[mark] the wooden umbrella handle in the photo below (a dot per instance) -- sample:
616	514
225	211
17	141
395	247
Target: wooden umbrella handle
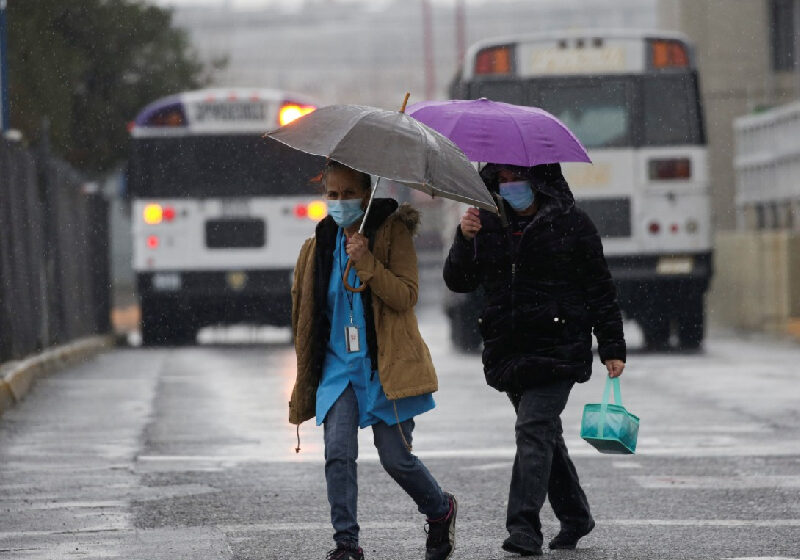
405	101
347	285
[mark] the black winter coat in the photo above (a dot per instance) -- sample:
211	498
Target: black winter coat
543	302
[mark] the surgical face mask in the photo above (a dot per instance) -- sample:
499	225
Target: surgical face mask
345	212
519	194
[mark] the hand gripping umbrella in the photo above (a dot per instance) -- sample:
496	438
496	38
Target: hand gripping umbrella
391	145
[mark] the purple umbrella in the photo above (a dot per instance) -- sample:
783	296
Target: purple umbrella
497	132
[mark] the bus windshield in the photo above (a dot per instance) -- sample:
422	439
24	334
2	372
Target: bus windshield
612	111
206	166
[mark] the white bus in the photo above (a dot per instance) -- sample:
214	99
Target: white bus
219	212
633	99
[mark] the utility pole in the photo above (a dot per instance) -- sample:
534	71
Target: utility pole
427	48
461	32
4	117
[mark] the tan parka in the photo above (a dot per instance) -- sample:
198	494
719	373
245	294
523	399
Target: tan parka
405	367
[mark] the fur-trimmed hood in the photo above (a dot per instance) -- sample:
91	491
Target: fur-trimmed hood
410	216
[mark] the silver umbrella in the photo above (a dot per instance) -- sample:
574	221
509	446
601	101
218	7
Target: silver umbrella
388	144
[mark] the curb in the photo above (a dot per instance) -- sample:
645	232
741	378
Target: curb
17	377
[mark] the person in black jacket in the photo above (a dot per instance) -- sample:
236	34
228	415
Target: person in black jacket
547	287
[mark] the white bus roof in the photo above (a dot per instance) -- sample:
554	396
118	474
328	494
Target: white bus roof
619	51
216	110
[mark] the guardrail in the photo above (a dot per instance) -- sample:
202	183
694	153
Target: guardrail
54	264
767	164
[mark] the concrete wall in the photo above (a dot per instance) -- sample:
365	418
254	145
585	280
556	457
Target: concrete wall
757	281
732	43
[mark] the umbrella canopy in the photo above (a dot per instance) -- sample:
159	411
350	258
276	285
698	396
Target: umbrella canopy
498	132
388	144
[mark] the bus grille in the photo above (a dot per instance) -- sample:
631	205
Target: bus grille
235	233
612	216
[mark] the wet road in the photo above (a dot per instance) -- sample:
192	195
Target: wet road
186	453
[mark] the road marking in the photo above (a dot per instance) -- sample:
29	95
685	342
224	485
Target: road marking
719	482
626	465
721	523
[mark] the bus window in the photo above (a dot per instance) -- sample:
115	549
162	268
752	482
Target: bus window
670	111
219	166
501	90
598	112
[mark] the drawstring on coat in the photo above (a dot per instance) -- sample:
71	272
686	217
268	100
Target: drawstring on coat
400	428
297	449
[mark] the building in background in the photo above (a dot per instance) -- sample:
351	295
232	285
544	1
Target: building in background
746	53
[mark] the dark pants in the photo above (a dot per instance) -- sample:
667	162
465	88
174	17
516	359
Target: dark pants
341	452
542	467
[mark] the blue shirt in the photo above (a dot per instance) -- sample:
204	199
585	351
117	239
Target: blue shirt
343	368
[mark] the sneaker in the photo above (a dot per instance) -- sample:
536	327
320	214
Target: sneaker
442	533
515	547
567	539
345	552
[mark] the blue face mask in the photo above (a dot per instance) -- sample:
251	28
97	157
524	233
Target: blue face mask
519	194
345	212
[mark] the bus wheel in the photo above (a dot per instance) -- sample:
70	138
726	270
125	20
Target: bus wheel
691	325
656	332
464	332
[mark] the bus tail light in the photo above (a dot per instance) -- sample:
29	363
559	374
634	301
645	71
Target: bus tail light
493	60
691	226
152	241
315	210
654	228
670	169
301	211
153	214
669	54
290	112
674	228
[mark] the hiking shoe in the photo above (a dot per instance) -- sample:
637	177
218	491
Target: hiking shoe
515	547
442	533
567	539
345	551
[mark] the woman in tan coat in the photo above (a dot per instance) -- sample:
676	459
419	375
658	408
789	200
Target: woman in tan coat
360	358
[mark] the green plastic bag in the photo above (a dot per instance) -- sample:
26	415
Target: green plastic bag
609	427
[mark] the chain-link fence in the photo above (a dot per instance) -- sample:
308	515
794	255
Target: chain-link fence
54	266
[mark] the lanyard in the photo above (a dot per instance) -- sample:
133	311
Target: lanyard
342	257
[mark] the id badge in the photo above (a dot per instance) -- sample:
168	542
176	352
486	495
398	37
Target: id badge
351	339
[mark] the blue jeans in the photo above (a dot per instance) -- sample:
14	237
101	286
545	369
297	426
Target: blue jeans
341	452
542	468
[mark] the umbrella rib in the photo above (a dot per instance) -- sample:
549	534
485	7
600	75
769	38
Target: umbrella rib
519	131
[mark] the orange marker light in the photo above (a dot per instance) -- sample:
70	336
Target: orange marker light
153	214
494	60
669	54
317	210
291	112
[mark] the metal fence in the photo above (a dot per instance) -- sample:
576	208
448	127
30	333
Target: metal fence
54	265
